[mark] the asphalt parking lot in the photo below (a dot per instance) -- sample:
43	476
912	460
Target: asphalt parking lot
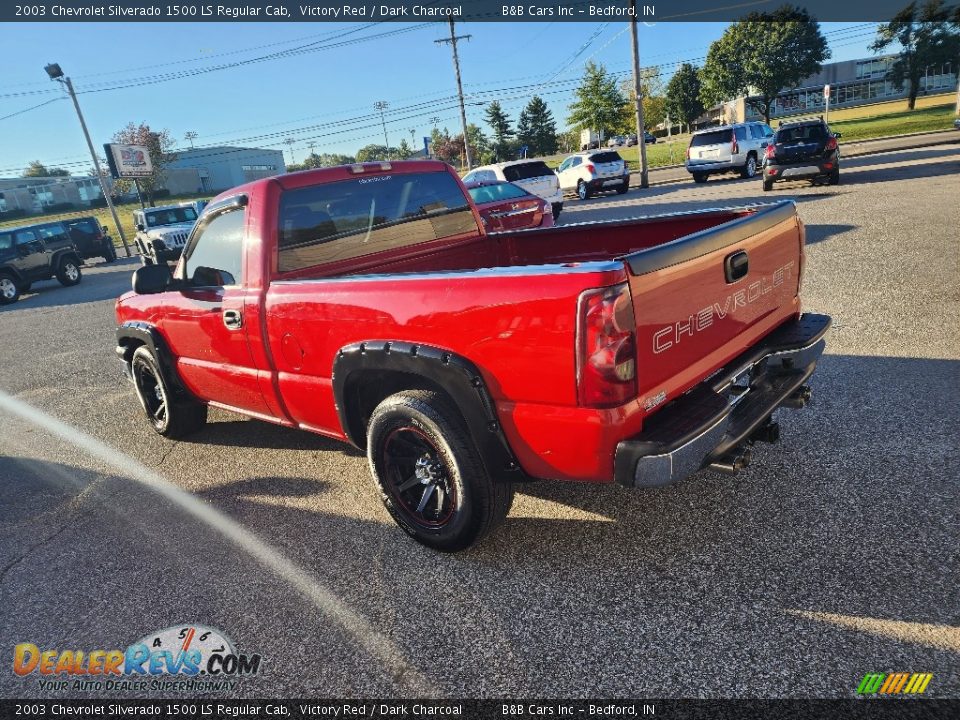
834	554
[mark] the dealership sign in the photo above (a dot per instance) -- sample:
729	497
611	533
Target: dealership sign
128	161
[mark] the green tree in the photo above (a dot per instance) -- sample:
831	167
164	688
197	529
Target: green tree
313	160
501	132
375	152
160	145
761	55
37	169
537	129
403	150
683	104
926	37
598	103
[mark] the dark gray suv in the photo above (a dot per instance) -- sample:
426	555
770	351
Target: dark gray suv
36	252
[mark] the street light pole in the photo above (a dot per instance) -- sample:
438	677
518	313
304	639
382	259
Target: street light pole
382	105
55	73
641	131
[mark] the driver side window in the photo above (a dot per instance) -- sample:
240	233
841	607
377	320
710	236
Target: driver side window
216	254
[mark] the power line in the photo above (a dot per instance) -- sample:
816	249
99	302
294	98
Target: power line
34	107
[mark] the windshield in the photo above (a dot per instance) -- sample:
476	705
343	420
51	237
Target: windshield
170	216
500	191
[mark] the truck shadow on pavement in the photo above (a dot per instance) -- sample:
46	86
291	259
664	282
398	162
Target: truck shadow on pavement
250	433
833	549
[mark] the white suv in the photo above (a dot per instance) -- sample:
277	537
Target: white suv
729	148
532	175
590	172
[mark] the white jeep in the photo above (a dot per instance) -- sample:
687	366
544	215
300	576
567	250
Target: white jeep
162	231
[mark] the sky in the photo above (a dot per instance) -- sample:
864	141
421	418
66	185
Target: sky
312	82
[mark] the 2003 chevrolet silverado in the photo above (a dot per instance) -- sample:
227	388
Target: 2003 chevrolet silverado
366	303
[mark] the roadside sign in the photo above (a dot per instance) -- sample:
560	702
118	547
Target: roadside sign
426	147
826	92
128	161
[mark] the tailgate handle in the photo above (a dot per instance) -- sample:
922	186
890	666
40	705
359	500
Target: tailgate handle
736	266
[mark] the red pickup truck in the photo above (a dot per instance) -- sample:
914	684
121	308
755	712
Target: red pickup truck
367	304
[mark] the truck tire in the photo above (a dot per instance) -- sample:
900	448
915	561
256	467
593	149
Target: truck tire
834	178
168	416
430	477
110	255
699	177
9	290
68	272
623	188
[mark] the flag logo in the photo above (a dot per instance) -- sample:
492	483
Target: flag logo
902	683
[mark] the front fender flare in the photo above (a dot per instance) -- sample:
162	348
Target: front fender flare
132	334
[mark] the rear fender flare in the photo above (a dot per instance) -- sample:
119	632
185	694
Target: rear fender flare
429	367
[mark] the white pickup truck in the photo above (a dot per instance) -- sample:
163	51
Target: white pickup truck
162	231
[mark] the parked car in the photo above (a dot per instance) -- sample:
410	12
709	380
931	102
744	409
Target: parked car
36	252
505	206
631	140
730	148
367	303
532	175
956	124
592	172
616	141
162	231
649	138
802	150
91	239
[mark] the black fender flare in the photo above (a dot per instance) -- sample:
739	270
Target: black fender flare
447	371
132	334
12	271
59	256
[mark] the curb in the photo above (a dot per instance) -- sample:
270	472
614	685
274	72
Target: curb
855	153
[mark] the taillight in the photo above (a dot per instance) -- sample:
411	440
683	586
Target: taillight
606	347
771	152
831	144
590	169
734	148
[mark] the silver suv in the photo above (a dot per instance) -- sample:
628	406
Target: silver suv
728	148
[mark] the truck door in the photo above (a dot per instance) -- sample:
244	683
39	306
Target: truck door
204	322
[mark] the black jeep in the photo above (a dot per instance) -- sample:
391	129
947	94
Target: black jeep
36	252
90	239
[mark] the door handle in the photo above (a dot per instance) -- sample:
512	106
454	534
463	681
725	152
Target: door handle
232	319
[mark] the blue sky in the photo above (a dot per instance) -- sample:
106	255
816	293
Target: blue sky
321	94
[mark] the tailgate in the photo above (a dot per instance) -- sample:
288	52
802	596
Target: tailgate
701	300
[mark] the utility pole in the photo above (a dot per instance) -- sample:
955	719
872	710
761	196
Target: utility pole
55	73
290	142
382	105
190	136
456	68
641	130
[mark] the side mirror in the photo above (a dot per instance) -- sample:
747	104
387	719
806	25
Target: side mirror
152	279
140	227
837	135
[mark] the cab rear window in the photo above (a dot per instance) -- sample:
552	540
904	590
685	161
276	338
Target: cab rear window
526	171
717	137
342	220
606	157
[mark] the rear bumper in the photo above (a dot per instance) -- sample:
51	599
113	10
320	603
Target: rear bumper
713	167
722	413
608	183
800	170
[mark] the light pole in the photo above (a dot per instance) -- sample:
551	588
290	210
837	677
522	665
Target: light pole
382	105
641	130
290	142
190	136
55	73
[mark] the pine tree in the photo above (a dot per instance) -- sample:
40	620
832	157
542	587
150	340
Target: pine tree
502	133
537	129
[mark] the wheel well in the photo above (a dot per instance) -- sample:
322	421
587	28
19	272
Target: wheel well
130	346
365	389
12	273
